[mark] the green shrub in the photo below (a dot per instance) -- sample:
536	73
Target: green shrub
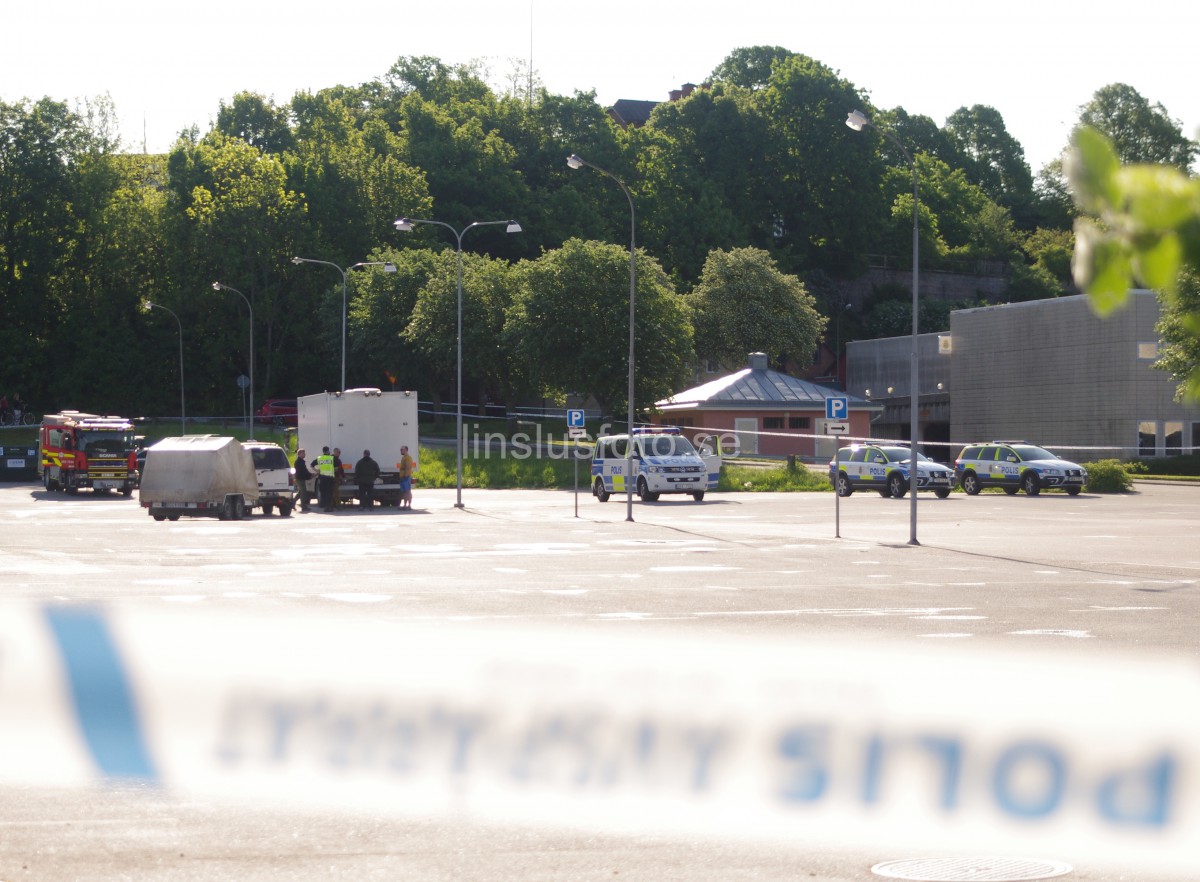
1109	476
1188	464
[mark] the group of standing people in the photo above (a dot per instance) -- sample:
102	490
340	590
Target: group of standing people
327	470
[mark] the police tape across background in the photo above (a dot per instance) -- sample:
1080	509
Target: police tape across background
819	743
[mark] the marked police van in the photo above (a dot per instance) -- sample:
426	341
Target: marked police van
664	461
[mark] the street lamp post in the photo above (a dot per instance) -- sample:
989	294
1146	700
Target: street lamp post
220	286
388	267
576	161
858	121
182	408
405	225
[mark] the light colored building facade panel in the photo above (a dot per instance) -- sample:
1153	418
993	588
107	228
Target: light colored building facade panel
1049	371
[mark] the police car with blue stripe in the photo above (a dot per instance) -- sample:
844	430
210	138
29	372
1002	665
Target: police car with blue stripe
1016	465
663	461
886	468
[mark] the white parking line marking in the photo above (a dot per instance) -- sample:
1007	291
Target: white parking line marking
692	569
955	635
357	598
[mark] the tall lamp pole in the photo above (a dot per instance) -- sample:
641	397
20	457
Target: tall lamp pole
576	161
388	267
182	407
857	120
405	225
220	286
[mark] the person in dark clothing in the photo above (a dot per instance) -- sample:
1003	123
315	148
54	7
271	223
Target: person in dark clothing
304	478
338	474
366	473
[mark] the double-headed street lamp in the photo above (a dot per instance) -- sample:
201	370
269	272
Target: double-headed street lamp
577	161
405	225
388	267
182	408
220	286
858	121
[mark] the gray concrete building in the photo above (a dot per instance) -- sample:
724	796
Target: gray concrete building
1047	371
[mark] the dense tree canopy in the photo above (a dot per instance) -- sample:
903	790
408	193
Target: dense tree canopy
744	304
569	325
748	192
1139	131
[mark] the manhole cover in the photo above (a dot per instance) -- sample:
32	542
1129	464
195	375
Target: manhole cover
987	869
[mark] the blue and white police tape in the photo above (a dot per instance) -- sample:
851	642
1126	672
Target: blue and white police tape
813	743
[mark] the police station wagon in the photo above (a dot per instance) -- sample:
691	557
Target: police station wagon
664	461
885	468
1016	465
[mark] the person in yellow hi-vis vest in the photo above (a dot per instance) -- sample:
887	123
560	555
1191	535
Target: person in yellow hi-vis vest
325	479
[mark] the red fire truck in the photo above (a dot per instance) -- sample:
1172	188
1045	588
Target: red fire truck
86	450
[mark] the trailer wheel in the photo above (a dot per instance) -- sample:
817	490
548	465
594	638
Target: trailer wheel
268	508
239	508
159	517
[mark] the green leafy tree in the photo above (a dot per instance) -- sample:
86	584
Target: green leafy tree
256	120
700	161
1140	132
743	304
350	169
819	214
1050	250
237	220
750	67
919	134
569	324
1179	326
120	262
43	147
558	201
488	287
992	159
1143	228
890	315
381	308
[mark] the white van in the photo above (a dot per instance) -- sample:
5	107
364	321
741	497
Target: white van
664	461
276	477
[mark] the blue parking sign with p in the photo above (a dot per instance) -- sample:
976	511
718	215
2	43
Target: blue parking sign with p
575	419
836	408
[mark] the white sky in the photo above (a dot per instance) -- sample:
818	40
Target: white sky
167	64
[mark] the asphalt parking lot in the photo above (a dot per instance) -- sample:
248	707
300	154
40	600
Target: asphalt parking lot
1089	580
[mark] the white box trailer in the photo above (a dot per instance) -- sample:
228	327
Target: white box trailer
356	420
199	475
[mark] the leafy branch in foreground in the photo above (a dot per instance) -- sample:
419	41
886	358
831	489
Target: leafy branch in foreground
1143	228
